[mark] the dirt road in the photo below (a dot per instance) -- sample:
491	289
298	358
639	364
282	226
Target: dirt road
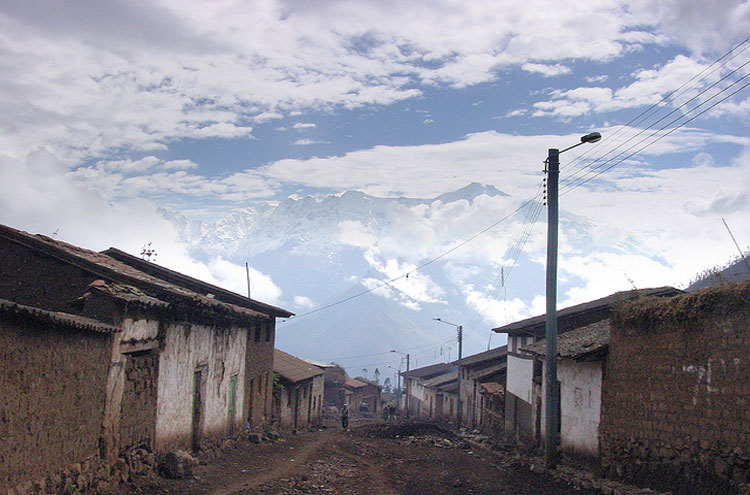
379	459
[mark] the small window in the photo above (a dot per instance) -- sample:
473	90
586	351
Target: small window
269	329
257	332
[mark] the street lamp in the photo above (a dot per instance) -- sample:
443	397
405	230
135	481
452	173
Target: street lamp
459	328
398	382
407	380
552	391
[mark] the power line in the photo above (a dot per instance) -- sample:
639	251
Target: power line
416	269
572	178
670	96
575	180
599	170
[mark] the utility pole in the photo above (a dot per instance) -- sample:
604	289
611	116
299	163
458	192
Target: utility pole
406	379
408	387
550	387
460	412
459	328
247	271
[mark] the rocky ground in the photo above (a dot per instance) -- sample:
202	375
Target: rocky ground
383	459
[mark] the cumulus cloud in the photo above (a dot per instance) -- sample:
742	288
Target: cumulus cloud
546	70
37	195
304	301
215	69
672	84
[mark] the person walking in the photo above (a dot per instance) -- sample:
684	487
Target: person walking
345	416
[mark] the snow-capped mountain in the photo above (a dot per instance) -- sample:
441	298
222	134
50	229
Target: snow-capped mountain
320	251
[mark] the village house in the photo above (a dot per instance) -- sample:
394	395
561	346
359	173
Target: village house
259	355
523	394
441	396
582	360
185	367
363	396
414	386
493	408
298	393
676	396
484	367
55	368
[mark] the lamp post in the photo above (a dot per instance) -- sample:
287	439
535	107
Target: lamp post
459	328
398	381
552	391
407	381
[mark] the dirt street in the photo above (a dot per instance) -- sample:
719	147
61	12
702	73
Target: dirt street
369	459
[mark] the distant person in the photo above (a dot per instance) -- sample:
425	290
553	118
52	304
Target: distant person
345	416
391	412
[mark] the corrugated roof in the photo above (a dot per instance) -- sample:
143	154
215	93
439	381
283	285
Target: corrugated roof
579	343
450	375
75	321
110	268
539	321
491	355
427	371
489	371
293	369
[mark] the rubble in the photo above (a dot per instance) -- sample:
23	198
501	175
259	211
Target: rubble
177	465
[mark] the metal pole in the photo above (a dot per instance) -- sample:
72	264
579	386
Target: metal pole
552	404
459	413
407	386
247	271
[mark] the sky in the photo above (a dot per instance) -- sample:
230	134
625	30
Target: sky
112	110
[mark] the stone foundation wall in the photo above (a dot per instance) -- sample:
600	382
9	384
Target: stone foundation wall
676	399
138	414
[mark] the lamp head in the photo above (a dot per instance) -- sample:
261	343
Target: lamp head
437	319
592	137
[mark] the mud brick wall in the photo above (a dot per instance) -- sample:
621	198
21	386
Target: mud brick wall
676	398
259	372
138	416
53	388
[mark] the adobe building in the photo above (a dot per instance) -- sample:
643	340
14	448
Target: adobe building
187	365
298	396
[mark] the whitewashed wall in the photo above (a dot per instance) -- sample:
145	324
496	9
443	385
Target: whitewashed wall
519	378
187	347
580	405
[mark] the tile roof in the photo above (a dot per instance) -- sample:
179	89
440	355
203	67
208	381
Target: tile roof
292	368
126	293
492	388
74	321
539	321
109	268
353	383
194	284
368	382
581	343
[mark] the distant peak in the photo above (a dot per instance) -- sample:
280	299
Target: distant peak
470	192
